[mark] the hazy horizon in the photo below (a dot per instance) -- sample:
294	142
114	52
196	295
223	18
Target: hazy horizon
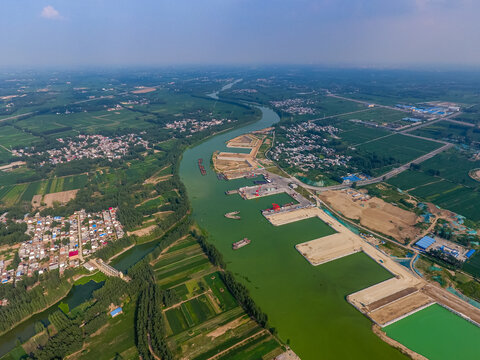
342	33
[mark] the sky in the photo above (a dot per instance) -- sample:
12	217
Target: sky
359	33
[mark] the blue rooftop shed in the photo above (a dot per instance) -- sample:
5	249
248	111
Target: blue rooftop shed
116	312
469	254
425	242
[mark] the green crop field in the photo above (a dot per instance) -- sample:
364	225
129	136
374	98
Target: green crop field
13	195
411	179
117	337
11	137
219	289
451	188
377	115
472	266
199	309
176	320
252	350
206	305
24	192
445	130
432	191
358	134
31	190
5	155
400	147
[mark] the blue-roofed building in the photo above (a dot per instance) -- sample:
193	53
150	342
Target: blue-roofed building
469	254
425	242
116	312
351	178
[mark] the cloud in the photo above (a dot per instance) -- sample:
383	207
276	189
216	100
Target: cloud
49	12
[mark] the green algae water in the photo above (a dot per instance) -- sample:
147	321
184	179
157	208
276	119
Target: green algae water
306	304
437	334
25	330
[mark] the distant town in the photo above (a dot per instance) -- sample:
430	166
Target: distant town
86	147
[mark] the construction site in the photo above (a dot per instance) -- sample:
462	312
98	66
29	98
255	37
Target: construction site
374	213
385	303
238	165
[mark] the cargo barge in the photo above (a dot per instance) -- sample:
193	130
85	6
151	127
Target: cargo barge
237	245
201	167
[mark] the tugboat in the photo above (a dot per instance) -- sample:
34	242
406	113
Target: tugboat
237	245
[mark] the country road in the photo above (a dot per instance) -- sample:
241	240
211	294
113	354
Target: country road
406	132
17	116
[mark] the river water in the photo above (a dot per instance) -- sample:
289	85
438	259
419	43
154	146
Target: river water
25	330
305	304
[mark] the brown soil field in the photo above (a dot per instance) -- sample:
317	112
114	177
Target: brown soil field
62	197
400	307
228	326
36	200
144	90
398	295
374	214
142	232
243	141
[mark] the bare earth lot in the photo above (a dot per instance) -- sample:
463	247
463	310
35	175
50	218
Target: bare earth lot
374	214
144	90
62	197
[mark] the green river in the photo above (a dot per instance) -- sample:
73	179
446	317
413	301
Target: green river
25	330
305	304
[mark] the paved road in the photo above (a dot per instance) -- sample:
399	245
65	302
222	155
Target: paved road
368	103
18	116
337	115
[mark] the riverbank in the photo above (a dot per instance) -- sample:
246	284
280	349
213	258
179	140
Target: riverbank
271	266
38	311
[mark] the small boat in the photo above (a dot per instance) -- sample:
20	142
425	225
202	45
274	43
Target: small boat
237	245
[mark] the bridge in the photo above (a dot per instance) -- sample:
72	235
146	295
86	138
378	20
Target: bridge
107	269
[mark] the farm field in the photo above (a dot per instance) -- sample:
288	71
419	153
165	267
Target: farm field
117	337
13	194
411	179
359	134
5	156
59	125
444	130
401	147
472	266
377	115
207	319
444	180
11	137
